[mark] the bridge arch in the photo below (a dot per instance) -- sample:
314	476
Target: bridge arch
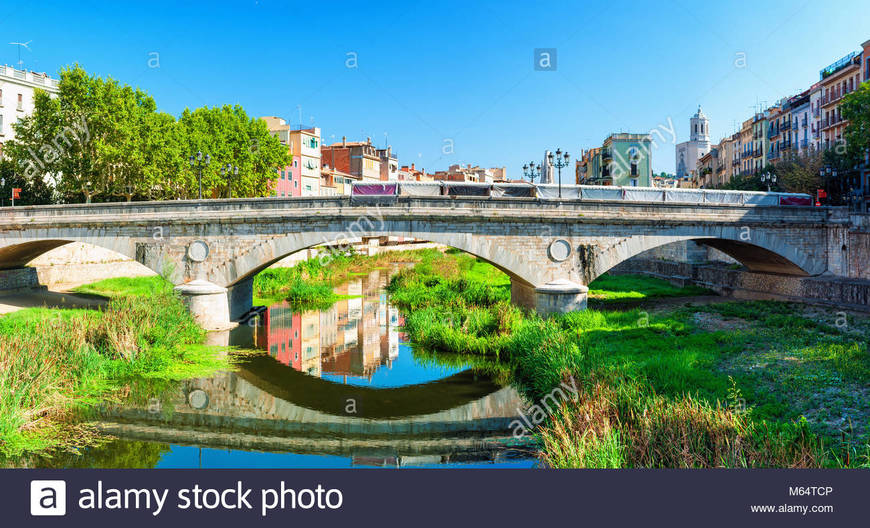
244	267
757	250
18	253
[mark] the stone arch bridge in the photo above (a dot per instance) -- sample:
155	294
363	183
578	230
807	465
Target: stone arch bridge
551	250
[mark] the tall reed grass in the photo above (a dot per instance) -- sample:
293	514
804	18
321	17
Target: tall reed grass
55	362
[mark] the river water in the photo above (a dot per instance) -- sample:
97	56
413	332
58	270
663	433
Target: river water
339	387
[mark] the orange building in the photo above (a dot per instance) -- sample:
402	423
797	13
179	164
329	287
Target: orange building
838	79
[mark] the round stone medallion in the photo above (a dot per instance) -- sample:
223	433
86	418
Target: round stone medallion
197	251
198	399
559	250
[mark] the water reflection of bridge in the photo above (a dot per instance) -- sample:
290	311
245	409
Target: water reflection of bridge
268	406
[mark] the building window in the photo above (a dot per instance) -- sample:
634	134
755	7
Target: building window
20	102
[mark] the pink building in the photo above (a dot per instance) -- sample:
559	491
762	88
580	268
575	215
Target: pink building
289	182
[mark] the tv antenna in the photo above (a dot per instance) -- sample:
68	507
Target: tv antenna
21	45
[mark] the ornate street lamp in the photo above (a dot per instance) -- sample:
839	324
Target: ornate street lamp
768	178
530	172
229	171
198	162
559	160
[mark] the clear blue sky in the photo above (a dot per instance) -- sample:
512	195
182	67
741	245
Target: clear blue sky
462	71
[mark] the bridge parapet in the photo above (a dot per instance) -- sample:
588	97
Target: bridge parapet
551	249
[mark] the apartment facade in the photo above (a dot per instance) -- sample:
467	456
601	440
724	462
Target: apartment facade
412	173
730	156
17	90
627	160
302	176
358	158
816	116
801	117
389	164
837	80
588	167
746	143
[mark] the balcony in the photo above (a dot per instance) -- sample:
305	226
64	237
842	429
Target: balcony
786	125
804	122
772	132
735	162
606	153
803	144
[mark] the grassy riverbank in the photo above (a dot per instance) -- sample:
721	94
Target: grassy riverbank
755	384
54	363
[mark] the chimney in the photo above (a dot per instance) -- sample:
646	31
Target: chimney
368	141
412	166
343	141
389	149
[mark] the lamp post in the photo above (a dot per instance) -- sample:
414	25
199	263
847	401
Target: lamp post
198	161
768	178
559	160
229	171
530	172
826	173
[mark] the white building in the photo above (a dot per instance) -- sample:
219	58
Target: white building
801	117
816	116
16	97
689	152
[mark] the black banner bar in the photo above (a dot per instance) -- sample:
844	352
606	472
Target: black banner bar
131	498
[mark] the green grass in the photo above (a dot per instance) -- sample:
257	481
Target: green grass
621	287
141	286
752	384
55	364
310	283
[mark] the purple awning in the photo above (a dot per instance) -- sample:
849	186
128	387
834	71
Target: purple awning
795	199
375	189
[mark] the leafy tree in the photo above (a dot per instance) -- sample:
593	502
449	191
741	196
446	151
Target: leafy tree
34	191
80	138
229	136
856	108
101	140
800	173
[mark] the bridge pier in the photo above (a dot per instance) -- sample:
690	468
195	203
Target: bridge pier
208	303
240	297
559	296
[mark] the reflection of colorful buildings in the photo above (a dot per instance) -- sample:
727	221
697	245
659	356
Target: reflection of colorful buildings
281	328
352	338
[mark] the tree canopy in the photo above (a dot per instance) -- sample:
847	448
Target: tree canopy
856	108
102	140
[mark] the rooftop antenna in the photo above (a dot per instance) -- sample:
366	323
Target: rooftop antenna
301	123
21	45
386	140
